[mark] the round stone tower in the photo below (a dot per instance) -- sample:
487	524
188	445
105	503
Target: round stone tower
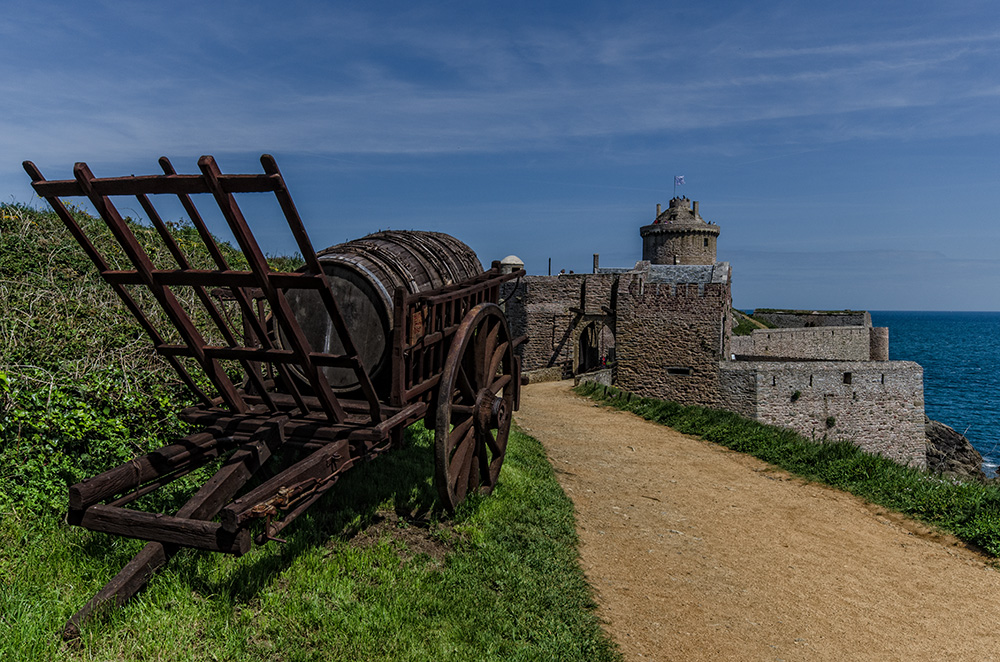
679	236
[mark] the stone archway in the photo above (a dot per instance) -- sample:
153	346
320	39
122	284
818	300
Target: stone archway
606	343
595	347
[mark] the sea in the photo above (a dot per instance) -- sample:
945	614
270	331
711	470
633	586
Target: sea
960	354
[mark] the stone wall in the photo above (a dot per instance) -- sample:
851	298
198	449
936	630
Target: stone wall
605	377
553	311
843	343
808	318
741	345
877	405
664	244
670	338
738	388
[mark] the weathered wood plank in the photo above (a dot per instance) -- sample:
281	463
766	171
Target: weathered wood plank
147	467
204	505
320	465
167	529
237	470
132	578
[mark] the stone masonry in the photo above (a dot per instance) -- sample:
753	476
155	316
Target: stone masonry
809	318
837	343
877	404
670	339
679	235
663	329
554	311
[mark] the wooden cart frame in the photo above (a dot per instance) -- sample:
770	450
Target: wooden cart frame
452	364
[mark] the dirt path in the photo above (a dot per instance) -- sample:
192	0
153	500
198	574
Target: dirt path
700	553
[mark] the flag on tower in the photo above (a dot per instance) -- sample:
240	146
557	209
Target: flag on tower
678	180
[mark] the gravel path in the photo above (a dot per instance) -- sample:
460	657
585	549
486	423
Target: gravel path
700	553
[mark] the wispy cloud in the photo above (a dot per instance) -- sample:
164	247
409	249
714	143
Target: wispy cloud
115	83
986	42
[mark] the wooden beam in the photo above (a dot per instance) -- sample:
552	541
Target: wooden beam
167	529
147	467
320	465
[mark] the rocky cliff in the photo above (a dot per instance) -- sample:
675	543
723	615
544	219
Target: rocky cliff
950	453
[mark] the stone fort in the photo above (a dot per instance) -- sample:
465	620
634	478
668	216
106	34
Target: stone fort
664	328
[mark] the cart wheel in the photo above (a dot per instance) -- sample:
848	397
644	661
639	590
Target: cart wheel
475	404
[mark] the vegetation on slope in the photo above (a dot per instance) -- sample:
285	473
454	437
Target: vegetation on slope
746	324
969	510
370	572
81	388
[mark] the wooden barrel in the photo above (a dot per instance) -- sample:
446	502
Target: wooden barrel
363	275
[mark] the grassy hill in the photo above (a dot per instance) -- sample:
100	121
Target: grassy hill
373	571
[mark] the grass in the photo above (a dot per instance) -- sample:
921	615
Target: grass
968	509
747	324
373	571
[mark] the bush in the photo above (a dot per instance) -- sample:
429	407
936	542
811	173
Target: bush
82	389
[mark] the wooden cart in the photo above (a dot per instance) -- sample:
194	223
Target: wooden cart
451	359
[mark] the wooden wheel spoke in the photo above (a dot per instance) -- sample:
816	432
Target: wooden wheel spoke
470	441
499	383
475	356
461	465
465	386
456	435
496	360
491	443
488	348
482	473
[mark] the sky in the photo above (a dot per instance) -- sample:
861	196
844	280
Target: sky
848	151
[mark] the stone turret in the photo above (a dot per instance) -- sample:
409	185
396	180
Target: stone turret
679	235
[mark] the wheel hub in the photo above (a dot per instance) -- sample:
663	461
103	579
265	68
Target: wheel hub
490	410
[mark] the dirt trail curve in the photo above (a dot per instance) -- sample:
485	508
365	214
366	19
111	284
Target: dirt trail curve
700	553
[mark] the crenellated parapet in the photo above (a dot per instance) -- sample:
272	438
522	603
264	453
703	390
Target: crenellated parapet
679	235
646	291
834	343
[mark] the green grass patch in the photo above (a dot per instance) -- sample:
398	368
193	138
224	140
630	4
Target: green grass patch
968	509
371	572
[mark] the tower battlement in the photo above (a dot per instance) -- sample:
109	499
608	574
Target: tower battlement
679	235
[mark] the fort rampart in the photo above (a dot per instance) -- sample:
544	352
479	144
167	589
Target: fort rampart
663	329
837	343
808	318
670	338
877	405
554	311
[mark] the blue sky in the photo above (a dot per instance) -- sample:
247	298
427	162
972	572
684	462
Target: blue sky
848	151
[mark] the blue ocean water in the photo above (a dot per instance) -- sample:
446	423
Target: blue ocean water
961	359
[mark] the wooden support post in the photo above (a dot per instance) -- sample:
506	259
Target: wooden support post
169	529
